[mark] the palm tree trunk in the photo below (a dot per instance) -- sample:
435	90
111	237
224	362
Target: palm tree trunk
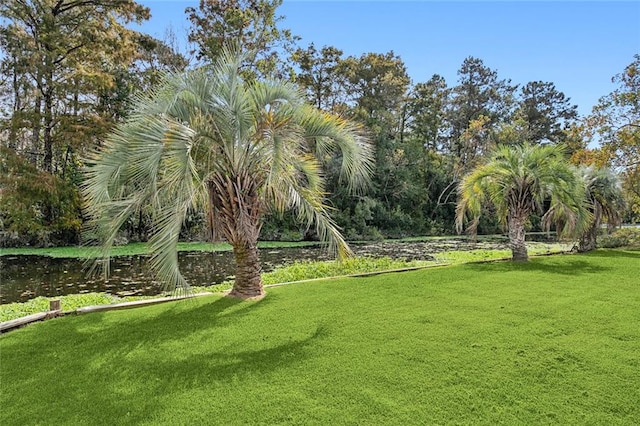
237	215
248	283
517	238
588	239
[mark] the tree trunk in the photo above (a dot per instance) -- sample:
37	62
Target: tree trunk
588	239
248	283
48	131
517	238
236	214
17	108
35	135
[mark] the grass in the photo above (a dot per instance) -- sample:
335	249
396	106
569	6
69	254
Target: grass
552	341
457	257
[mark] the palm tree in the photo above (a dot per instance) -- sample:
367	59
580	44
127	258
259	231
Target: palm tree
210	141
519	180
605	200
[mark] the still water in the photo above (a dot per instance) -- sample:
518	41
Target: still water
26	277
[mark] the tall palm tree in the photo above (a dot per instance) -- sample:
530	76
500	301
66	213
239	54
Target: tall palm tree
209	141
519	180
605	201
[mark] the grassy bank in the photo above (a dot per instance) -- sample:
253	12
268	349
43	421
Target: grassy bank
551	341
295	272
298	271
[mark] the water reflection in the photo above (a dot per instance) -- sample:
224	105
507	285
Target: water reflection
25	277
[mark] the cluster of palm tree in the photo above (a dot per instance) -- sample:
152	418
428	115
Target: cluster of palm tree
524	179
208	140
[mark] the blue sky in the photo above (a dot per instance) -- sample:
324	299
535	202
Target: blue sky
577	45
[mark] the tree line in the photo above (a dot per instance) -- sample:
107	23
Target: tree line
72	69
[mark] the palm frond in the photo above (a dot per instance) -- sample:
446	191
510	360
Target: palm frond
329	133
604	192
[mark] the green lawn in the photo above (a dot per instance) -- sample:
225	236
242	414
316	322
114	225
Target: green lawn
554	341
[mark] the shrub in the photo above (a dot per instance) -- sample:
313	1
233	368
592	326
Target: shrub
282	227
624	237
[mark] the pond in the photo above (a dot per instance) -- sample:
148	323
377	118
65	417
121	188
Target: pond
26	277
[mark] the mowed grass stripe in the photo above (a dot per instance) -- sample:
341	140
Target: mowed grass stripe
556	340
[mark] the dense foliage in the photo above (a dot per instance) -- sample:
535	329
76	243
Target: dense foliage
624	237
71	70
